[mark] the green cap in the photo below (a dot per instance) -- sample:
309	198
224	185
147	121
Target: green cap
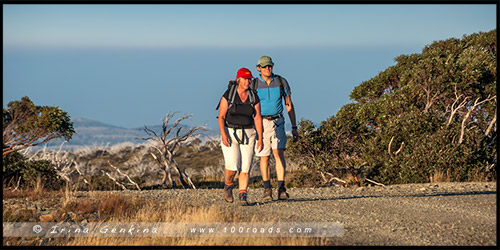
264	61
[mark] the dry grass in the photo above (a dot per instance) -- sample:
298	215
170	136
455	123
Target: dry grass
200	241
35	191
171	212
440	177
120	208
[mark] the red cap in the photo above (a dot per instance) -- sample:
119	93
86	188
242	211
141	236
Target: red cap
244	73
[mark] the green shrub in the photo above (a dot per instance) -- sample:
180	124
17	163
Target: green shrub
401	128
17	168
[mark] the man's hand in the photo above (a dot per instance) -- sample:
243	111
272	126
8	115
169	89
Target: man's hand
295	134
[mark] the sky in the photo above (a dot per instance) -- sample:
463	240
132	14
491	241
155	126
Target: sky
129	65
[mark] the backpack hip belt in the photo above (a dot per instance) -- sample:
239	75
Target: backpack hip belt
237	126
243	134
272	117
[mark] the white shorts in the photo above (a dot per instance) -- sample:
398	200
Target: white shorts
274	136
239	157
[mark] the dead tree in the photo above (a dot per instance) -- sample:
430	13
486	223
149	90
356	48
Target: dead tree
166	143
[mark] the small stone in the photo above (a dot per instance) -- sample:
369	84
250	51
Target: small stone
46	218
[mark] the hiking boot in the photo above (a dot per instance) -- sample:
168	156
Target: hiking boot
268	194
282	194
228	193
243	199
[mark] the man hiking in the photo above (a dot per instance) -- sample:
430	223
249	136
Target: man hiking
272	89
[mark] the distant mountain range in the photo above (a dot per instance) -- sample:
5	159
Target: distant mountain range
93	133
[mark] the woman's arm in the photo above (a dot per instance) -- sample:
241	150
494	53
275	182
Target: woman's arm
222	121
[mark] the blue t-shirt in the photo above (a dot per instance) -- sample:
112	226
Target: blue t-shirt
271	101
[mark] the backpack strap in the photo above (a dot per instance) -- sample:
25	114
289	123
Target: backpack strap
282	87
254	84
232	95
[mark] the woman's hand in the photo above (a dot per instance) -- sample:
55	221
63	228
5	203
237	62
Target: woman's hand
260	145
225	139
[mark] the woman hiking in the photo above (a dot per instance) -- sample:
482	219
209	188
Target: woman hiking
239	123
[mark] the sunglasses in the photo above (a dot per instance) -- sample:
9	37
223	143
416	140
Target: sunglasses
266	66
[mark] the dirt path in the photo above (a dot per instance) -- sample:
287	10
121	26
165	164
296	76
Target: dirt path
461	214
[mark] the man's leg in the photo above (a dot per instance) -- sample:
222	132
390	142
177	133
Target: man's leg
266	178
279	155
264	159
280	173
264	168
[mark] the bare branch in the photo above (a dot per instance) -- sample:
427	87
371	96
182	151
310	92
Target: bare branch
113	179
339	180
427	88
325	180
389	147
376	183
454	109
123	174
400	148
492	123
476	103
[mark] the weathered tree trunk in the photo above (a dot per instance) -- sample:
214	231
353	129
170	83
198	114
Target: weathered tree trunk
166	148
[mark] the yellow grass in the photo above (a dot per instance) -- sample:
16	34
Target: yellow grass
119	207
440	177
136	210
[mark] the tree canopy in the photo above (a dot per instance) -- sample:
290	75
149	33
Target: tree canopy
431	114
26	125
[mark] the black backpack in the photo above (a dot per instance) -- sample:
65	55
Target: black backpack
232	86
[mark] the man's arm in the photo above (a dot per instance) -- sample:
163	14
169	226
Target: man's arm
291	113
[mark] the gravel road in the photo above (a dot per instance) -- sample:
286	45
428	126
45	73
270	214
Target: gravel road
458	214
431	214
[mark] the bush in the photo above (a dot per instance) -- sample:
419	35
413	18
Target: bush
17	168
431	115
13	164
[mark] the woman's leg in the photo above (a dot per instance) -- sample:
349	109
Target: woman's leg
232	158
247	152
